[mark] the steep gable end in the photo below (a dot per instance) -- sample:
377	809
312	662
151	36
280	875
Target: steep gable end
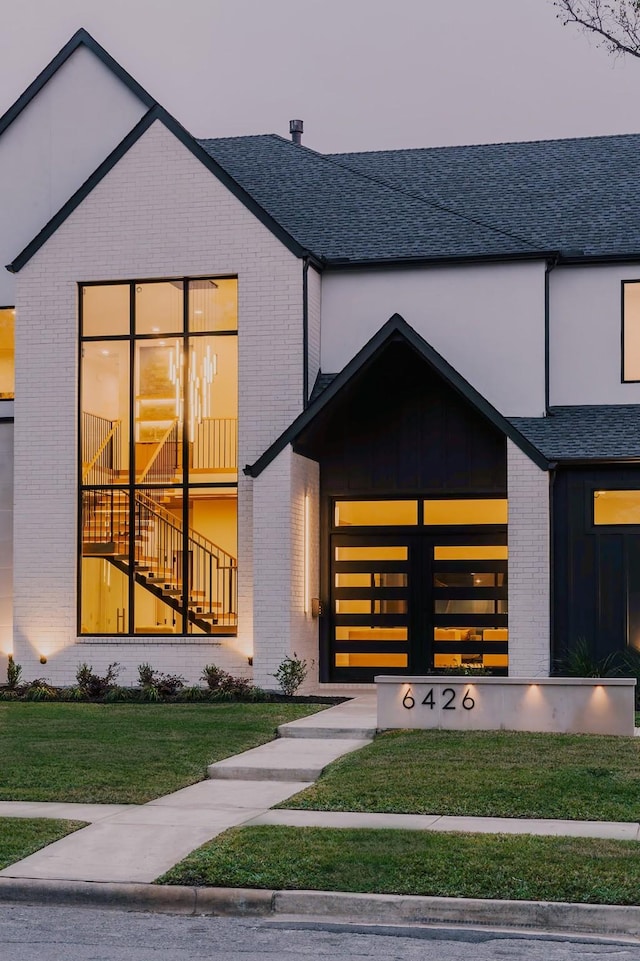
56	133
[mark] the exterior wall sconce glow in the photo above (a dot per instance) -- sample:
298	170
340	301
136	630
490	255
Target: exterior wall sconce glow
43	659
307	553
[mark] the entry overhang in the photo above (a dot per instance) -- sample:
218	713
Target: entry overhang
396	330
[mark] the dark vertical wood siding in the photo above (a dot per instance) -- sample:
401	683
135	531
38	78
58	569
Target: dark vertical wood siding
400	429
596	570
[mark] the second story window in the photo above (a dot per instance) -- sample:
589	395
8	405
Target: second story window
7	366
631	330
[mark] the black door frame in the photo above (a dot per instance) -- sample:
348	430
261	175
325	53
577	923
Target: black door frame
420	618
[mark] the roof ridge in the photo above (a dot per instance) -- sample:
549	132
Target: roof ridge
380	181
244	136
434	203
497	143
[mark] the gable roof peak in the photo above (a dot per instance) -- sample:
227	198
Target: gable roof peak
396	329
81	38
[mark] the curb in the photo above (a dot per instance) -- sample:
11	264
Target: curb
335	906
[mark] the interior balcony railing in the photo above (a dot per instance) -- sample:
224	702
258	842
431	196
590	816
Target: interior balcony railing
101	445
158	556
215	444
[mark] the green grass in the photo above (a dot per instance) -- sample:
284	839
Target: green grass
408	862
124	753
20	837
500	774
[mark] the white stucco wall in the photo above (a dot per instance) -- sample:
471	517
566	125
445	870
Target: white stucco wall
158	213
282	627
586	335
51	148
529	567
6	534
486	321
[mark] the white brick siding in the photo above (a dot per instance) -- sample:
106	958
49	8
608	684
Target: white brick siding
529	571
158	213
281	625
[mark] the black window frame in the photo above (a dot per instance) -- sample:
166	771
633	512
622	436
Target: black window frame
131	338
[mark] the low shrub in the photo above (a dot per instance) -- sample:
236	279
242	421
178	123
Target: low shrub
39	690
290	674
225	687
155	685
96	685
14	672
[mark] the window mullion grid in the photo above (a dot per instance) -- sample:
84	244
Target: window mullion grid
186	586
132	459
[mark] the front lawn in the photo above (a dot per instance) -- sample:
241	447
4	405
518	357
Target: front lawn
124	753
499	774
409	862
20	837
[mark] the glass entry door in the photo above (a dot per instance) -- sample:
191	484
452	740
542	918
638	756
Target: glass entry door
410	602
370	608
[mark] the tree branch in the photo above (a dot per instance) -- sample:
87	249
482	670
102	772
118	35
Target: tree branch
616	23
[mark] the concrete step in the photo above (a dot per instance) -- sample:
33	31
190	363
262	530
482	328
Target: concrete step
286	759
319	732
353	720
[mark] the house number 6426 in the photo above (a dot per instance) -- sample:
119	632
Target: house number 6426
449	693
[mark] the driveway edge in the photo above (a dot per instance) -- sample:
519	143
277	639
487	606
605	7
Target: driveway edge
336	906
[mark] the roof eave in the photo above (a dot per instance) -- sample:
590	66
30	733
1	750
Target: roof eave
347	263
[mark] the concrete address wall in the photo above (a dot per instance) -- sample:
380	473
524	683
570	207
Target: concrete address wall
566	705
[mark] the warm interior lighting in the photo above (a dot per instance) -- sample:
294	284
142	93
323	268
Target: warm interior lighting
616	507
203	367
631	332
489	553
461	511
375	513
307	552
372	553
7	353
371	660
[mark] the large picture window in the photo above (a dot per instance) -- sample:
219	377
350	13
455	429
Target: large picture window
7	365
158	457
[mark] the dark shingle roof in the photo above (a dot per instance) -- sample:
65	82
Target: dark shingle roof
493	200
338	213
584	432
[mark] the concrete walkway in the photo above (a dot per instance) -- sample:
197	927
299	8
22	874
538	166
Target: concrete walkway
614	830
138	843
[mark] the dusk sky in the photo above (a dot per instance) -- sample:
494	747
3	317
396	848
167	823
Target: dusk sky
363	74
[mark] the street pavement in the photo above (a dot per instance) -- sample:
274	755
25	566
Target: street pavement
82	934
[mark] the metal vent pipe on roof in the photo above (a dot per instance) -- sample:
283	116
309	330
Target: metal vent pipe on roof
295	129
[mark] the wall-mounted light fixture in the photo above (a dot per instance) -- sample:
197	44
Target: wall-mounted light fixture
307	553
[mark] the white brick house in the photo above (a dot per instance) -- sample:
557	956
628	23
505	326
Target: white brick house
376	410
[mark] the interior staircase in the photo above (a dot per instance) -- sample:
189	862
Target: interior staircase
145	532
